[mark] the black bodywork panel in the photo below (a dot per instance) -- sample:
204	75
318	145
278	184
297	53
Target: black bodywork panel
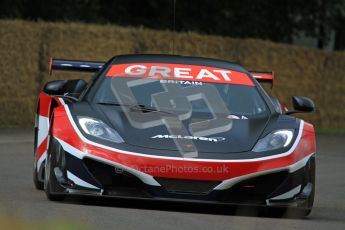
238	143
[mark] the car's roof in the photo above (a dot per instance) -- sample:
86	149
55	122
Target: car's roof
163	58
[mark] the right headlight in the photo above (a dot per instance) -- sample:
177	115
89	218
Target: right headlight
98	128
275	140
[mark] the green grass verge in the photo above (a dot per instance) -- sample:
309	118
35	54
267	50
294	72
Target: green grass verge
17	223
330	130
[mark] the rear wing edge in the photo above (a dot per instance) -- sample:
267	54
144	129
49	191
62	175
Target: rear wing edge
263	77
74	65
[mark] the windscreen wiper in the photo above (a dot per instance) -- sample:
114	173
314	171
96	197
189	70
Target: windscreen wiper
140	107
113	104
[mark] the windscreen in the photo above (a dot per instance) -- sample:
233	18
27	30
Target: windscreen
182	88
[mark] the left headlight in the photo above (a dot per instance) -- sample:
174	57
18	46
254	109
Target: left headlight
98	128
275	140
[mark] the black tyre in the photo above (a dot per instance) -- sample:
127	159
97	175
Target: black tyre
52	188
301	211
37	183
310	178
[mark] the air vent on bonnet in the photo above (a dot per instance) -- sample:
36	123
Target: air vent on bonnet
187	186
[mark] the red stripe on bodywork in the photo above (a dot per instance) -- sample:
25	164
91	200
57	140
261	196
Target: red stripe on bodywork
42	148
196	170
44	106
44	110
45	102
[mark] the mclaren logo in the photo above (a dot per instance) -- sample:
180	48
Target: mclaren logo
210	139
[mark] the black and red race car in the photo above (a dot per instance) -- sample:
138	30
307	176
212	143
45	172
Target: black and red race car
173	128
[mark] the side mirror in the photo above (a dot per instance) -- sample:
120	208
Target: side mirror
63	87
54	87
75	87
302	105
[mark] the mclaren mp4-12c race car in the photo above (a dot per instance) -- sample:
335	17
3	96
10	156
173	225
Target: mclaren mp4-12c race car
173	128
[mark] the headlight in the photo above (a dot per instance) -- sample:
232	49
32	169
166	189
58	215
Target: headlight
99	129
275	140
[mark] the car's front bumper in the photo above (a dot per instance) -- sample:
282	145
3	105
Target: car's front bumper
275	188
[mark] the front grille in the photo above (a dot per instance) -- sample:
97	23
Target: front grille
116	181
187	186
254	190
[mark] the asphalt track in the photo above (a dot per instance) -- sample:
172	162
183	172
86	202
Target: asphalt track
18	197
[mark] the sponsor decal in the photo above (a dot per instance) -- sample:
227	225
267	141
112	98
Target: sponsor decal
181	82
237	117
210	139
180	72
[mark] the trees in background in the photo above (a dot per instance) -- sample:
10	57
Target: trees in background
321	18
265	19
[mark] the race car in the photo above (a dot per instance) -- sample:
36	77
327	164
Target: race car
173	128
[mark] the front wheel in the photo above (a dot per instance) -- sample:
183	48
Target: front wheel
51	186
37	183
299	212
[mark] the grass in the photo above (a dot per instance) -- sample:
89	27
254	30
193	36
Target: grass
16	223
340	131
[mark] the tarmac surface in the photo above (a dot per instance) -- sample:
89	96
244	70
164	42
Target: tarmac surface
19	198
